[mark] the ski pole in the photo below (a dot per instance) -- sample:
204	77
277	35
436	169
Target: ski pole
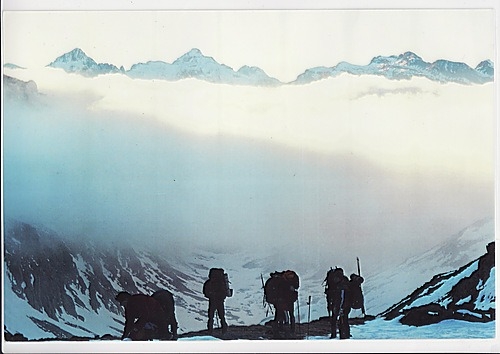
308	315
298	314
359	274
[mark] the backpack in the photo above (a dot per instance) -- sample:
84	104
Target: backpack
357	299
337	290
166	299
217	284
333	278
292	278
281	287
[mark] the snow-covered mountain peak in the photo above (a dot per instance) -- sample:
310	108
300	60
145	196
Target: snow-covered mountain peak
195	52
76	61
76	55
410	57
194	57
485	67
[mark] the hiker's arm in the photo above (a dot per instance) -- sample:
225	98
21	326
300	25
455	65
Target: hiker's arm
129	324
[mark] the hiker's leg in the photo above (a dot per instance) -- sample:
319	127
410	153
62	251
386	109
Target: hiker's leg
333	325
211	313
292	320
275	324
172	325
344	327
222	316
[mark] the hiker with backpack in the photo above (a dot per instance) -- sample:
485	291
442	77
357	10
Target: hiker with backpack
338	298
280	290
145	318
166	299
216	289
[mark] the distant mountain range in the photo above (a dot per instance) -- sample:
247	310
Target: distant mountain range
194	64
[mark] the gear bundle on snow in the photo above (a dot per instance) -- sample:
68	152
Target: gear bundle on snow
357	299
217	284
281	287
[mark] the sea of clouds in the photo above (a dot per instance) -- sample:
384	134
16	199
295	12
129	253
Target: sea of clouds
355	163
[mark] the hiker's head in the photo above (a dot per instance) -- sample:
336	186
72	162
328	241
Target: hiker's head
122	297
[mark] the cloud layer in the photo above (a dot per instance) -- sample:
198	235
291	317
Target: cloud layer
359	163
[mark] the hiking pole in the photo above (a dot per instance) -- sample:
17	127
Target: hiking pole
308	315
298	314
359	274
263	287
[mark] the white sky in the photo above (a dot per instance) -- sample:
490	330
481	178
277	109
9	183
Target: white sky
283	43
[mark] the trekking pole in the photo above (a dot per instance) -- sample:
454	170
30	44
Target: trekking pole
308	315
263	287
298	314
359	274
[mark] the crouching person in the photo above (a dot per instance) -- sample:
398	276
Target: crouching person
145	318
166	299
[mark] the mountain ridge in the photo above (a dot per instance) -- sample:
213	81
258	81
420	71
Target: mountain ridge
194	64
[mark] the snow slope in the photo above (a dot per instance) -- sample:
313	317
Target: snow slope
391	285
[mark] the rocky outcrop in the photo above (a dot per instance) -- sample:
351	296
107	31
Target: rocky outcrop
465	294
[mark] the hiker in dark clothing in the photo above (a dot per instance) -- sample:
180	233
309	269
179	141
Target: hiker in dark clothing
145	318
280	290
216	289
339	302
166	299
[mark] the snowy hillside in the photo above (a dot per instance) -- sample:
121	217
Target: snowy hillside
84	279
388	287
56	288
194	64
466	294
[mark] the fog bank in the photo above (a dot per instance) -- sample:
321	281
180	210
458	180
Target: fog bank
366	166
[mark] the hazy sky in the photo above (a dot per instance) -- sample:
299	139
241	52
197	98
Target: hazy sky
282	42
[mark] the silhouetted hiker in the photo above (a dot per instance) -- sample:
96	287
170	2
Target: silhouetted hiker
216	289
338	298
357	298
166	299
280	290
145	318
